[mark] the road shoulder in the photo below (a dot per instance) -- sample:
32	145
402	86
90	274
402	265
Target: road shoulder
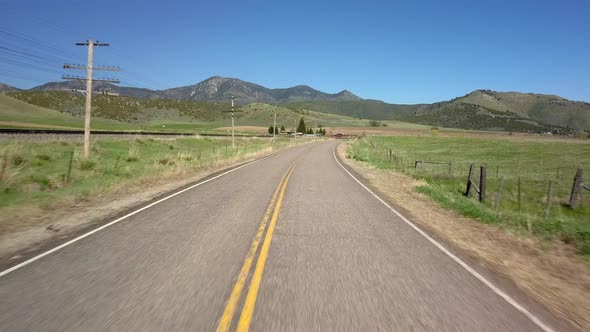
43	231
552	276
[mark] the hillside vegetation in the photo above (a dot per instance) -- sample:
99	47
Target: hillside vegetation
67	109
477	117
22	114
548	109
360	109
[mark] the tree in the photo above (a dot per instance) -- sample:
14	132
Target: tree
301	127
282	129
270	130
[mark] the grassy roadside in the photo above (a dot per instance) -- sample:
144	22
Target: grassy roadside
37	175
535	163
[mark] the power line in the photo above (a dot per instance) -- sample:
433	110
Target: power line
26	39
27	54
19	76
32	66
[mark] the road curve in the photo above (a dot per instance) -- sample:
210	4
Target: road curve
292	242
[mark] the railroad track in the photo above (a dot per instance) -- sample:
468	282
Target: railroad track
113	132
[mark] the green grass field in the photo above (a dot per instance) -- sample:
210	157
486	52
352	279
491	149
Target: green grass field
535	163
37	173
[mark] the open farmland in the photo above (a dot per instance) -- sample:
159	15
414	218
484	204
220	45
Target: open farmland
536	164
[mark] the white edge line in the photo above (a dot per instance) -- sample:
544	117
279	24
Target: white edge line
63	245
459	261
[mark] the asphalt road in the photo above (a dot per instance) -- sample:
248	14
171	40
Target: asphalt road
267	247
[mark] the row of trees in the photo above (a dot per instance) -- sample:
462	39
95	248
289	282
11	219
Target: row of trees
301	128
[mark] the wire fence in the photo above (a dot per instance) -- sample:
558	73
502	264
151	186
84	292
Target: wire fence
536	191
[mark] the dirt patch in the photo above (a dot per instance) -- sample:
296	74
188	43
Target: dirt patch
551	274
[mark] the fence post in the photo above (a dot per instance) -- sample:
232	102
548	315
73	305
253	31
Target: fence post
499	194
468	188
482	184
576	187
67	180
497	171
4	165
557	175
450	168
519	193
549	194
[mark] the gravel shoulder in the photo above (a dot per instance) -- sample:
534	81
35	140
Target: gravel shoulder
550	273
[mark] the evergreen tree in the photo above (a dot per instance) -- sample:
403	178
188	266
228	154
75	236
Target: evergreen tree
270	130
301	128
282	128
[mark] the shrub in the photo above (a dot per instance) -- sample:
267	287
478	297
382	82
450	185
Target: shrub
185	156
17	159
133	154
44	156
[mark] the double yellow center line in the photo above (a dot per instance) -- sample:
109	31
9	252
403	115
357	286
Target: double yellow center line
250	302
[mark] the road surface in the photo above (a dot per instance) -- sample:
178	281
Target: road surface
291	242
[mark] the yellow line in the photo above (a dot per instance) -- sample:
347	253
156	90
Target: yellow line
250	303
230	308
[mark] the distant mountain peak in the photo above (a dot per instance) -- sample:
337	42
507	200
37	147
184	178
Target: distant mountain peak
7	88
348	95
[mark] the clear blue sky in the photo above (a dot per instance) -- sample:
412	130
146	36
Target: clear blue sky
399	52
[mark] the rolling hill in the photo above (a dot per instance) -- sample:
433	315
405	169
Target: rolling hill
16	113
541	112
59	108
548	109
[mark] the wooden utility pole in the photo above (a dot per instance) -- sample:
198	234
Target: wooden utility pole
89	68
87	113
233	140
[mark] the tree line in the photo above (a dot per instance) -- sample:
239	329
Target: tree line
301	128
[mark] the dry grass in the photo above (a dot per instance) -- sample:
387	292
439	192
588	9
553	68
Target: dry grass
551	273
250	129
392	131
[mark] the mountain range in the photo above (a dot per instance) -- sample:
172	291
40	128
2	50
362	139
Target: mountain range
212	89
480	109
